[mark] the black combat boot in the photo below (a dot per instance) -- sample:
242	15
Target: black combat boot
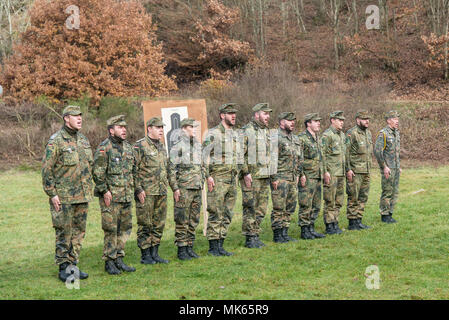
361	225
182	253
330	228
315	234
122	266
111	268
305	233
353	225
391	218
222	251
192	253
213	248
251	242
277	236
337	228
83	275
286	237
146	257
63	275
259	242
155	255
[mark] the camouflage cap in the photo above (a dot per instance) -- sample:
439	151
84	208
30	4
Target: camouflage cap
189	122
155	122
391	114
337	115
363	114
287	116
71	110
117	121
312	116
262	107
228	108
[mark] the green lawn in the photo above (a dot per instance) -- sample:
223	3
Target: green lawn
411	255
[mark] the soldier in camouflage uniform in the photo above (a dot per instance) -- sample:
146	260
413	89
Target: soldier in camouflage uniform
255	173
387	150
359	149
333	148
151	183
309	187
220	161
67	180
284	181
186	178
112	172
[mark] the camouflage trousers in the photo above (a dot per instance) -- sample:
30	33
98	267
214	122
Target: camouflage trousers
357	191
116	222
334	196
151	217
70	227
187	216
284	203
255	204
220	206
390	192
309	200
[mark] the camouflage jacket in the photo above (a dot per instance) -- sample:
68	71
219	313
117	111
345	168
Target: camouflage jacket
359	150
113	164
387	148
67	167
313	157
185	169
333	148
220	154
151	166
290	157
256	151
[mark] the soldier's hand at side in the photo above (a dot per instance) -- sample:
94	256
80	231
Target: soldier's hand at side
141	196
297	180
107	198
350	174
248	180
56	203
176	195
275	184
327	178
303	181
387	172
210	184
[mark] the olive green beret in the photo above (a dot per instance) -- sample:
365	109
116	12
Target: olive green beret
262	107
117	121
391	114
228	108
189	122
71	110
337	115
311	116
363	114
287	116
155	122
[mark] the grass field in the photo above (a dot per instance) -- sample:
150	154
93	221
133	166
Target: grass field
411	255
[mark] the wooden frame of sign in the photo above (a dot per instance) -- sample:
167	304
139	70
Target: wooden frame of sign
172	112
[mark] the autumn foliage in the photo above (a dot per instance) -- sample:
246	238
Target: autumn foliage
113	52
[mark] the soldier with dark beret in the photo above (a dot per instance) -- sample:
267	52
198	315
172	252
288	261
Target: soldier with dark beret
284	181
112	172
67	180
387	152
186	178
151	183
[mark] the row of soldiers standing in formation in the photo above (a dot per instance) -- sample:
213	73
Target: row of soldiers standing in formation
121	172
